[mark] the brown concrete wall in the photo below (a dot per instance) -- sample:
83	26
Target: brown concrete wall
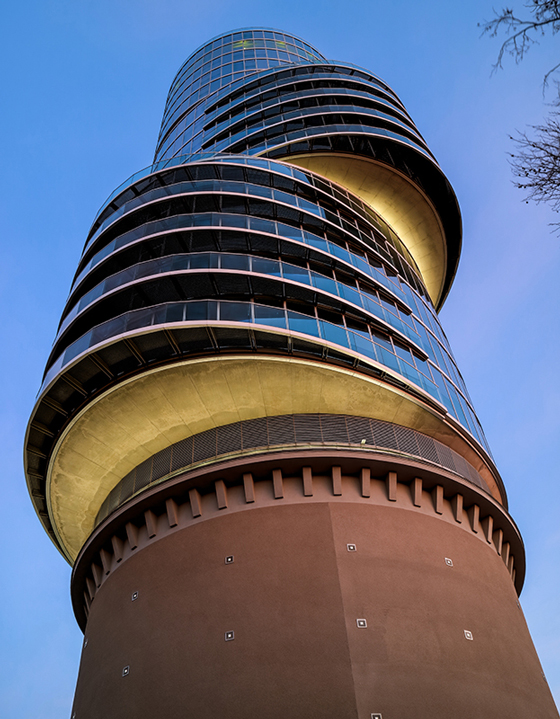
292	596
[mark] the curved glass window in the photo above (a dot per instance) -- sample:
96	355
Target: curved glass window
381	270
368	344
238	86
379	305
133	187
182	126
369	300
387	287
376	234
207	186
308	92
315	89
315	114
232	59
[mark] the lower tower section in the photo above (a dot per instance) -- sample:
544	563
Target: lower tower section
324	583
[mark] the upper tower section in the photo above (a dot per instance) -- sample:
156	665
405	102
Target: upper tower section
215	70
269	282
263	92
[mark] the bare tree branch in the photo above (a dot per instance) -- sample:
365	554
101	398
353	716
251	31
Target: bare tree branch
536	164
524	31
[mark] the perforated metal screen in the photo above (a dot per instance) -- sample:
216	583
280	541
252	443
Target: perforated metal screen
286	430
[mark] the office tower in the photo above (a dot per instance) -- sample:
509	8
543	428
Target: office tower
252	440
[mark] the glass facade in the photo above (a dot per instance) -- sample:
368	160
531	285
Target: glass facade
224	245
254	91
253	325
316	261
218	68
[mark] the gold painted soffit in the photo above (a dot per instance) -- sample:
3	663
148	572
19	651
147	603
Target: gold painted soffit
398	200
147	413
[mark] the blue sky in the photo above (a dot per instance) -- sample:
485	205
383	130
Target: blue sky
84	87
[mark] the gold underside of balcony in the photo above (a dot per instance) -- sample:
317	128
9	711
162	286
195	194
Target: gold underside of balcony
398	200
141	416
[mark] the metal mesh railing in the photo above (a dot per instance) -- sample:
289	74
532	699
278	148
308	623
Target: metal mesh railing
284	431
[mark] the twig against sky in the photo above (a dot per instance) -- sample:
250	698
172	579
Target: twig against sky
523	32
536	165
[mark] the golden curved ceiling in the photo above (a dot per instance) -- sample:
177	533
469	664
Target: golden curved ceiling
139	417
398	200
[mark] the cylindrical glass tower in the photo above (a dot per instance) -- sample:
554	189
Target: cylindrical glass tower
253	442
